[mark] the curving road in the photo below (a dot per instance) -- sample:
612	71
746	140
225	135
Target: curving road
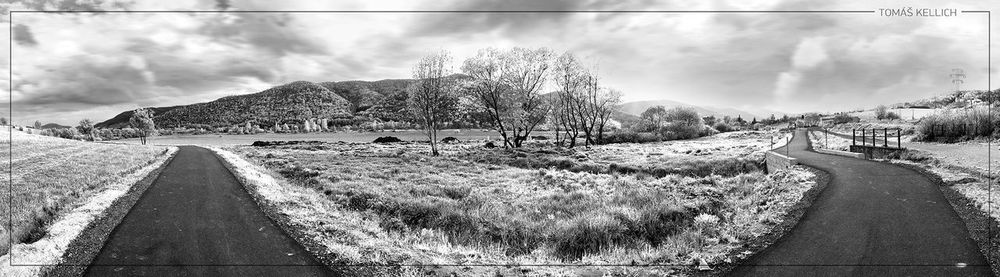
197	220
873	219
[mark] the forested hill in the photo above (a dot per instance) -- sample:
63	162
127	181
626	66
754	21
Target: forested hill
292	102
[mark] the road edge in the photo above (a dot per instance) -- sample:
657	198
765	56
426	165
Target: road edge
85	247
977	222
274	214
788	222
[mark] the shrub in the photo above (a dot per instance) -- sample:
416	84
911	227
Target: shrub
630	137
722	127
387	140
881	111
957	126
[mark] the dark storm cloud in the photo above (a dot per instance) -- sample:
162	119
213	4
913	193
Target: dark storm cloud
458	23
23	36
273	32
86	81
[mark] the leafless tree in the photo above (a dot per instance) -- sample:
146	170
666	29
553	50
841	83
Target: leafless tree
508	85
570	77
432	99
530	69
605	106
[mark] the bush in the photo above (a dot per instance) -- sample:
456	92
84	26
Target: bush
387	140
449	140
722	127
845	118
630	137
958	126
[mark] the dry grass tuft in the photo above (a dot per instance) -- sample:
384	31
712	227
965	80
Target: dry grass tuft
377	204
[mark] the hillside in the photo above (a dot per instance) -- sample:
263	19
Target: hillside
363	94
957	99
54	126
289	102
121	120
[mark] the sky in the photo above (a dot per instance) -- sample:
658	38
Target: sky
71	66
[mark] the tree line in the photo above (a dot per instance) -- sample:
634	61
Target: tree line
508	87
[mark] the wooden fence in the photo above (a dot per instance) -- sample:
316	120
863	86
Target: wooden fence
877	137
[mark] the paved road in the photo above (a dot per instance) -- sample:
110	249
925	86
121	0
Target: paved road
873	219
197	220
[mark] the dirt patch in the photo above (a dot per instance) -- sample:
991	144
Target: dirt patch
387	140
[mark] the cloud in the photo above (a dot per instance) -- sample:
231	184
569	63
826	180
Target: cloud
22	35
789	62
507	23
273	32
88	80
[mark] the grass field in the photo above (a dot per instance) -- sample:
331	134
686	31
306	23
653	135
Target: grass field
821	140
51	176
393	204
349	137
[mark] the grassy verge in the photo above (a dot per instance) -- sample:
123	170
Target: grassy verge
820	140
371	204
60	186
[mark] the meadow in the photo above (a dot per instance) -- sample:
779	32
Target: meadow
669	203
50	176
333	137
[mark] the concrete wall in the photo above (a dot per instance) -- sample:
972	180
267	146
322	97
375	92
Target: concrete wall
841	153
875	152
775	161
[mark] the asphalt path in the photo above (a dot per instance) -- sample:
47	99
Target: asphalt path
196	219
873	219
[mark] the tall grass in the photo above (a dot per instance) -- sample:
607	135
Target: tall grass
51	175
543	213
959	125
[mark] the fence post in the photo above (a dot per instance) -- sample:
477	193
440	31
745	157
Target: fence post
885	137
863	136
899	141
873	137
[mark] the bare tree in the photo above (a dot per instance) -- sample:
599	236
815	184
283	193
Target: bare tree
432	99
606	106
488	70
142	120
529	69
570	77
86	127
